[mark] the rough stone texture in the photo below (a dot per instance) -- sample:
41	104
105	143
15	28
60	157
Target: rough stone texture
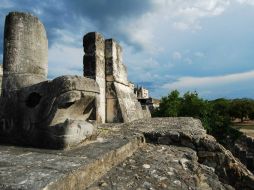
121	102
25	51
58	119
34	169
130	107
161	167
244	150
115	69
94	67
1	78
180	155
189	133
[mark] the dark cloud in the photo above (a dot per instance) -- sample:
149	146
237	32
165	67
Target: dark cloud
66	15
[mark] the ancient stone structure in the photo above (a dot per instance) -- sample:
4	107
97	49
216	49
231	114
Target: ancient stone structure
60	113
171	153
103	62
121	102
25	58
94	67
244	150
33	110
157	153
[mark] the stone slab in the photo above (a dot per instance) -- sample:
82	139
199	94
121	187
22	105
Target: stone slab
130	107
30	169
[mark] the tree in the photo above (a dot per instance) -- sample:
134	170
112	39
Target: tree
194	106
170	105
241	108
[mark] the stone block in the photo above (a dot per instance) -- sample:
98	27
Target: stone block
25	59
115	69
130	107
113	111
94	67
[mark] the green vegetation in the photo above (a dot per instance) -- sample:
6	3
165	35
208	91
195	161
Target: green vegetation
216	115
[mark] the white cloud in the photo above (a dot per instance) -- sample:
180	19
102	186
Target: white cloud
65	60
199	82
199	54
249	2
166	16
177	55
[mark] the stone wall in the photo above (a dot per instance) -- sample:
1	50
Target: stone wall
25	56
244	150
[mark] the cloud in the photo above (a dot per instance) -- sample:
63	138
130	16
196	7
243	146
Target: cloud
65	60
248	2
197	82
177	55
155	26
199	54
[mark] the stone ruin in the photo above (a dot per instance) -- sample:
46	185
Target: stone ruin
63	112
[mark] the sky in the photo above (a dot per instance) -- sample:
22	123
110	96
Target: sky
189	45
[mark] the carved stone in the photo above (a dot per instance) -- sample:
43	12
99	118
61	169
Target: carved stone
94	68
34	111
25	58
121	102
51	114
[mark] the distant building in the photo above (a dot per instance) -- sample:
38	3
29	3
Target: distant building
144	99
142	93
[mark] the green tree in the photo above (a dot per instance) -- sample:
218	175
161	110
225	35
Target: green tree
194	106
170	105
241	108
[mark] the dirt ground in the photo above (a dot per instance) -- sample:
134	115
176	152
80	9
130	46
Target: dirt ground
247	127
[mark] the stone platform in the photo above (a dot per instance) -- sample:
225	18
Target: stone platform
29	168
177	154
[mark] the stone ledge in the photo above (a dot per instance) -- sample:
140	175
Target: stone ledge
28	168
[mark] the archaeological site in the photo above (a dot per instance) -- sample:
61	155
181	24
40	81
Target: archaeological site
90	131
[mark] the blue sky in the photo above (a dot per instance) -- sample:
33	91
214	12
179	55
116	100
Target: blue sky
202	45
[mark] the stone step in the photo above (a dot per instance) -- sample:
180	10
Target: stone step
29	168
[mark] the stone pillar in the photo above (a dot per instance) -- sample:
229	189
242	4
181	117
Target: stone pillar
113	59
94	68
25	59
121	103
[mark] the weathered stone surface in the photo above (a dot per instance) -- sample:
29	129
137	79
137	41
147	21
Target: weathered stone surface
94	67
58	119
121	102
189	132
244	150
25	52
130	107
115	69
28	169
160	164
161	167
